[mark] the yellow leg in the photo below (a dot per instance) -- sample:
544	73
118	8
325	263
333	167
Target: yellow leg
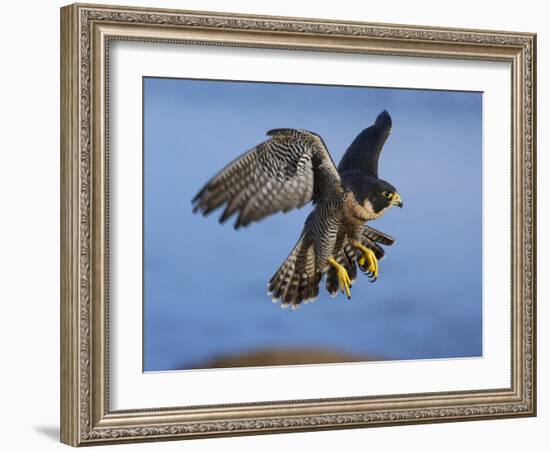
343	277
368	255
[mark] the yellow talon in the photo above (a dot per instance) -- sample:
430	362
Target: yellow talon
343	277
368	255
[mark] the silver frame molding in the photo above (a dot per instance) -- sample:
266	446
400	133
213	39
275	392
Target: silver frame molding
86	32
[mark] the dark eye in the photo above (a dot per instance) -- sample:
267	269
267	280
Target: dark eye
387	194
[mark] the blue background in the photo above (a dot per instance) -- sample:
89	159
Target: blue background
205	284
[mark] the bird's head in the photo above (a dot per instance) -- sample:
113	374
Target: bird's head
378	196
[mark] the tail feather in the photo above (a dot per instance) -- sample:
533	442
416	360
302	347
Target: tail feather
332	282
297	280
375	235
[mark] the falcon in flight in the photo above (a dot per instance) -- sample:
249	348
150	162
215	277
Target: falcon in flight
293	168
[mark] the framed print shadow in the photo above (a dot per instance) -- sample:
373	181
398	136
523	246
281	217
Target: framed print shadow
374	263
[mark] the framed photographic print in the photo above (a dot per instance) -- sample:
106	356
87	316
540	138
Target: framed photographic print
276	224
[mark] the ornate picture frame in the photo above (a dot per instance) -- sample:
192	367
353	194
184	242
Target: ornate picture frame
87	32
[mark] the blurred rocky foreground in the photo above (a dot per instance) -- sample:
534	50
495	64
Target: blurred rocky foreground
283	357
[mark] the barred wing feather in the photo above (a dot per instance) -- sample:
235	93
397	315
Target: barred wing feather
279	174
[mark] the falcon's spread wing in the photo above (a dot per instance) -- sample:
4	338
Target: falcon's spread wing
362	155
285	172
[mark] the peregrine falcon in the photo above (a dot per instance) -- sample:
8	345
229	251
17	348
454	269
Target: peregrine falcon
293	168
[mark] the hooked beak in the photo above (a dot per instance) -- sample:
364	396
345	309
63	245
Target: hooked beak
396	200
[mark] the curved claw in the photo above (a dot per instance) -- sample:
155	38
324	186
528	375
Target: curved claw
368	255
343	278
